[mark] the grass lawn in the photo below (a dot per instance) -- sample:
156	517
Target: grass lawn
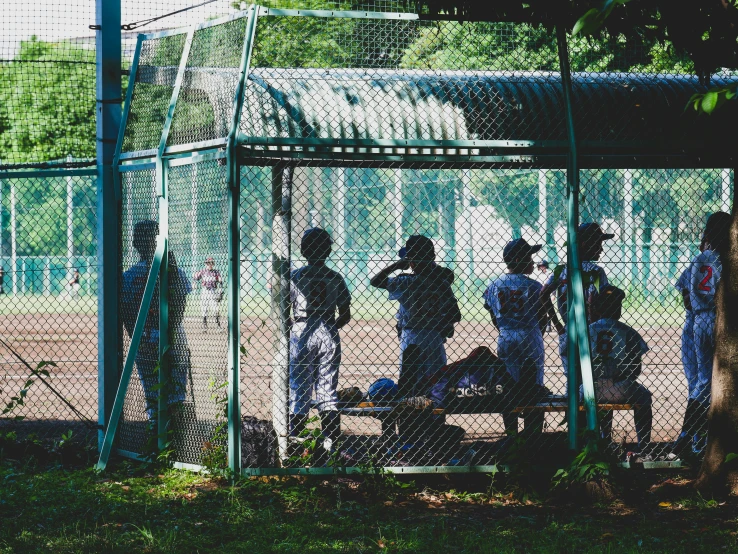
129	510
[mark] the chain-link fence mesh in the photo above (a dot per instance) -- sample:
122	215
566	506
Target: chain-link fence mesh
387	128
48	288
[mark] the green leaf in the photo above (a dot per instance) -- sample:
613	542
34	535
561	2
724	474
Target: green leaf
730	94
589	22
709	101
730	457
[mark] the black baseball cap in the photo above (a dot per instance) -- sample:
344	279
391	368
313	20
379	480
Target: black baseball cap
592	232
518	249
418	247
607	298
542	263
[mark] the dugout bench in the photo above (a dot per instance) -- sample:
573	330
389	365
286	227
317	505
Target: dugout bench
547	404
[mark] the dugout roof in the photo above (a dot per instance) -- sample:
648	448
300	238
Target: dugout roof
621	119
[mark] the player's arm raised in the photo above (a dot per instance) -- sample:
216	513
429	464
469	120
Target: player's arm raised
380	279
344	315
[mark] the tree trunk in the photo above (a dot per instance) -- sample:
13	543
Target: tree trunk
715	475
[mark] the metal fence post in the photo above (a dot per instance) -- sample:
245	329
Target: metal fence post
234	253
108	58
281	256
577	332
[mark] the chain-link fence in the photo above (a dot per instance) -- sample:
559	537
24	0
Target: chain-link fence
427	324
48	302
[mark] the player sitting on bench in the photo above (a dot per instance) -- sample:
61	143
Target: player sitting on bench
617	350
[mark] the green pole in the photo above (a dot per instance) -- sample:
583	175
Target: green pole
577	332
234	252
162	176
117	405
108	112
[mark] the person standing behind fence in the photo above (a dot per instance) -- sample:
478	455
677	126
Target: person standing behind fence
2	280
705	272
74	284
428	312
590	237
514	303
210	283
147	357
316	293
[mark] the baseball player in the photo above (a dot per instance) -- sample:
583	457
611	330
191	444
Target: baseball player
210	282
316	293
705	272
73	285
427	314
617	352
514	303
591	238
147	357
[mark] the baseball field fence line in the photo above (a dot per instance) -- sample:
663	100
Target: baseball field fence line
352	239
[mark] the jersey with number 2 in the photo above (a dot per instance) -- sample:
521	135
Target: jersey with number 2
704	279
515	301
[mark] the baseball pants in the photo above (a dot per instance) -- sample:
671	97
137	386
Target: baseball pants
209	301
315	356
421	363
704	342
147	364
689	355
519	348
626	392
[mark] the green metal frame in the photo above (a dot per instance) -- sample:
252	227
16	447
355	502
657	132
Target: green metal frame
234	253
125	379
162	176
579	357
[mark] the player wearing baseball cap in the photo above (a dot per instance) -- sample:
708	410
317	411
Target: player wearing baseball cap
316	294
591	236
617	352
210	280
514	303
427	314
705	272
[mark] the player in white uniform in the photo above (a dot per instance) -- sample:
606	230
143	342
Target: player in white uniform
316	293
705	272
147	357
210	281
427	314
617	352
591	238
514	303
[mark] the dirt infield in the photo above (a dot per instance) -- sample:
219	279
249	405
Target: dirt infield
370	351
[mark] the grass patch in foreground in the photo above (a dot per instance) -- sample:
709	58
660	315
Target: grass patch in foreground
80	511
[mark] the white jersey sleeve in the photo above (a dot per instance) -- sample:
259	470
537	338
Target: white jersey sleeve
682	283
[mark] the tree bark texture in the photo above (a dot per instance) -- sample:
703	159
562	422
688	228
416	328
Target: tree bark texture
715	475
